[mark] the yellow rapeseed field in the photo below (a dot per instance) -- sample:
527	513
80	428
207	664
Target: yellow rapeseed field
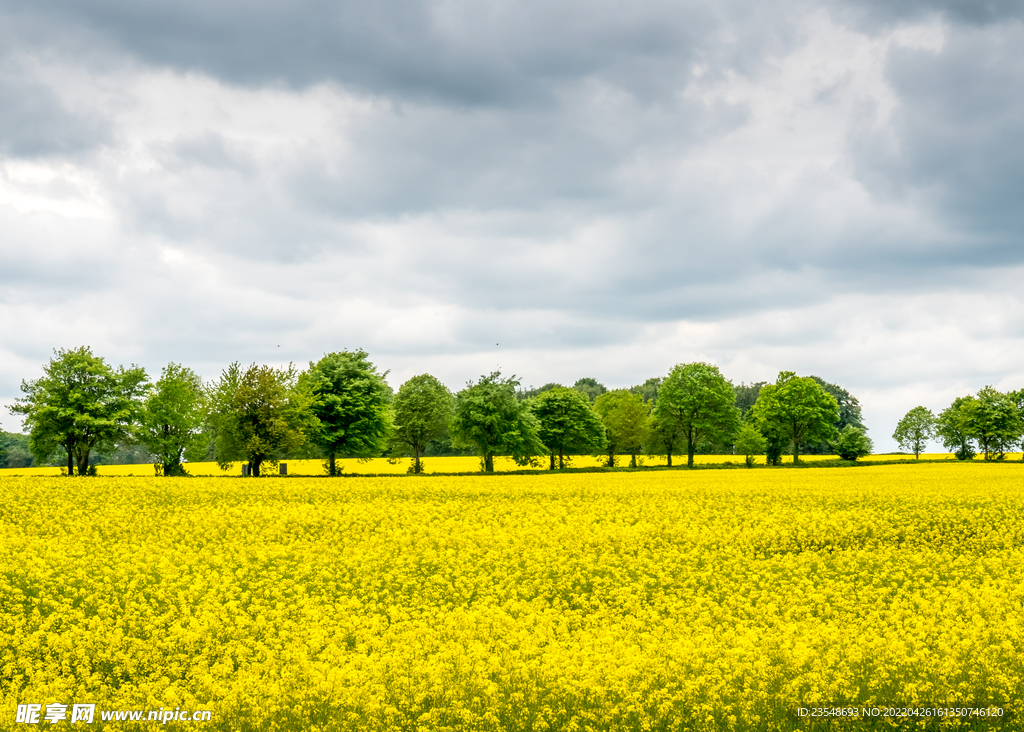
669	600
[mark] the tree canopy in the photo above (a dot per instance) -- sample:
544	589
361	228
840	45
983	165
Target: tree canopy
797	409
567	423
422	410
852	443
590	387
953	428
350	401
79	404
172	418
698	399
625	416
914	430
994	421
490	419
258	415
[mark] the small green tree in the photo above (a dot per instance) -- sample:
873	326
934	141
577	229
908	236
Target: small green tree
662	435
351	403
422	410
852	443
259	415
173	416
625	416
490	419
953	428
701	402
797	409
749	443
914	430
590	387
79	404
567	423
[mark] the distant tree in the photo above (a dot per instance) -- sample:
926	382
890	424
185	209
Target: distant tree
351	402
648	390
625	416
797	409
592	388
489	418
258	415
79	404
953	428
749	443
701	402
3	450
746	395
1018	400
852	443
914	430
524	394
993	420
849	405
567	423
172	418
422	409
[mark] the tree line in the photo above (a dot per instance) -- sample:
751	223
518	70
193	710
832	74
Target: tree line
341	406
990	422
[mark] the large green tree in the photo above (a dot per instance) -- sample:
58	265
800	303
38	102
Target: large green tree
954	428
172	419
79	404
701	402
796	408
994	421
490	419
259	414
567	423
915	429
625	416
422	412
352	403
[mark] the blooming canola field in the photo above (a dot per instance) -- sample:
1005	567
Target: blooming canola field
664	600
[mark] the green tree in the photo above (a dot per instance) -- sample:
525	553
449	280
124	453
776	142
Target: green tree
750	443
953	427
490	419
589	387
852	443
423	409
79	404
567	423
351	402
662	436
625	416
1018	400
173	416
914	430
648	390
746	395
797	409
994	421
258	415
524	394
701	402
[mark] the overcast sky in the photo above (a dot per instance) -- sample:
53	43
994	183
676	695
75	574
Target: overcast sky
555	188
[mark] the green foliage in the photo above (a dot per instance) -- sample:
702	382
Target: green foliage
422	411
750	442
849	405
567	423
995	422
524	394
172	419
699	400
914	430
796	409
953	427
746	395
79	404
351	403
852	443
490	419
625	417
591	388
648	390
258	415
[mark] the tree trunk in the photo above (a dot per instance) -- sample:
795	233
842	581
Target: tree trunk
416	462
669	456
611	456
552	467
332	465
488	463
83	463
632	462
71	464
691	448
796	451
254	468
561	459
